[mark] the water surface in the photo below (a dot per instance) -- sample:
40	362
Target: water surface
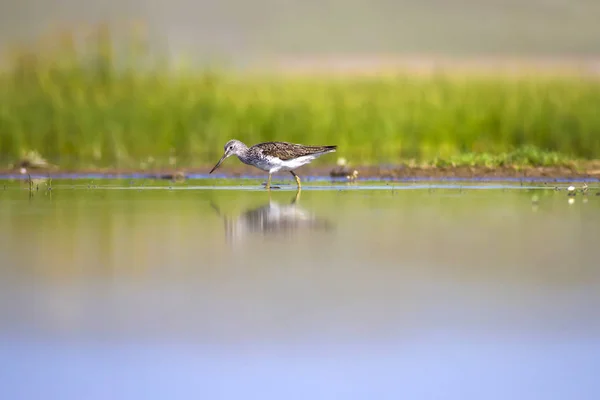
148	289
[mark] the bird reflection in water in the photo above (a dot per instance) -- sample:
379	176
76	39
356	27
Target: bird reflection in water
272	219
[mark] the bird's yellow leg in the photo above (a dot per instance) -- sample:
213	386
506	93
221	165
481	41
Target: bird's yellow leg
297	179
268	187
296	197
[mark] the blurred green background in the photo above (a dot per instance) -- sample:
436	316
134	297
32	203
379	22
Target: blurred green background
151	84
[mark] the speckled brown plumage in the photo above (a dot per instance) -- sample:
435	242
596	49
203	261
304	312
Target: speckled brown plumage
287	151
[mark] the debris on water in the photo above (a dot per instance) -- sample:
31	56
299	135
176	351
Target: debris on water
344	172
571	188
178	176
32	160
352	177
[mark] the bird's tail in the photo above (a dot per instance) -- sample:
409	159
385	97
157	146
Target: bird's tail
326	149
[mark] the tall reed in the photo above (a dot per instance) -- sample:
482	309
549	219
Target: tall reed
93	104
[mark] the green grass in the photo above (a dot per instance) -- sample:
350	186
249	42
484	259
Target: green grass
526	156
78	109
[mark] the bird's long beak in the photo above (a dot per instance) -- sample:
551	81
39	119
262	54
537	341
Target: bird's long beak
219	163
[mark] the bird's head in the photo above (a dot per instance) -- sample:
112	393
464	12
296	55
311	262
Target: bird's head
232	147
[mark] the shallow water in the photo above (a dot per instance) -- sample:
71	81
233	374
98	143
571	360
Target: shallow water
206	289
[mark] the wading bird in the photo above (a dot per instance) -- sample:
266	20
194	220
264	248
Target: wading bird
274	156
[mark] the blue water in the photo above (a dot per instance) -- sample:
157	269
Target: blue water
448	366
123	289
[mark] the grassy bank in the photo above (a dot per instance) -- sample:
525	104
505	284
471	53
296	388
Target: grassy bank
79	109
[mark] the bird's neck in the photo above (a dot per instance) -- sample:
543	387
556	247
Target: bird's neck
242	154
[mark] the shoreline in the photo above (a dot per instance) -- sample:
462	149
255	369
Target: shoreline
589	170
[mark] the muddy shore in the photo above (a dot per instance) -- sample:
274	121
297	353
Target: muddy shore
590	170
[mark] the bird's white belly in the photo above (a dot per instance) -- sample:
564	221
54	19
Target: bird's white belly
277	165
265	165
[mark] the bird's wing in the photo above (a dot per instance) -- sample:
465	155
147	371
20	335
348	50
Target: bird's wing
286	151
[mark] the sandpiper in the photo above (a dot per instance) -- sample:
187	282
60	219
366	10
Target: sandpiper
273	218
274	156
